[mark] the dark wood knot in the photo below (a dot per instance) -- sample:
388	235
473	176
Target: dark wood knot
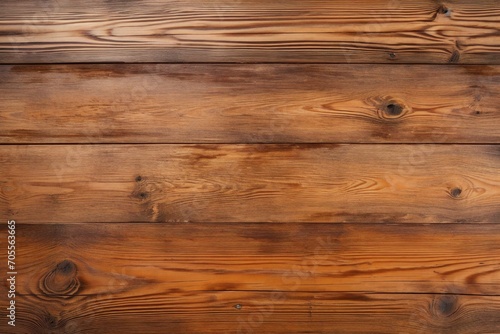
62	281
454	57
445	305
391	108
444	10
455	192
50	320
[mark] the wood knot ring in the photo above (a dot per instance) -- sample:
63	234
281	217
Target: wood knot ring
61	281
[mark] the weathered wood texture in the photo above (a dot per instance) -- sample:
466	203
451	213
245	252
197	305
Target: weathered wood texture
251	183
249	103
368	31
208	278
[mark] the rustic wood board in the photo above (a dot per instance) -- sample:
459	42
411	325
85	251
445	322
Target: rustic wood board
251	183
249	104
189	277
362	31
290	312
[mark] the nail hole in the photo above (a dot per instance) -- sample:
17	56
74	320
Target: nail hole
143	195
478	112
392	55
393	109
238	306
456	192
138	179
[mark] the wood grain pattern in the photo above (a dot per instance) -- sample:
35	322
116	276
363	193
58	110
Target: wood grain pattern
361	31
77	278
249	104
251	166
251	183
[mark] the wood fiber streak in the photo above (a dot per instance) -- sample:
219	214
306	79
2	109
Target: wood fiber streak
115	278
250	183
249	104
361	31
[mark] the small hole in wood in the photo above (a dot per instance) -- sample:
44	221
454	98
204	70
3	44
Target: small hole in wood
143	195
138	179
392	55
478	112
238	306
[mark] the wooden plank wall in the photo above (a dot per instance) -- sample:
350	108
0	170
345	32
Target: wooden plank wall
251	166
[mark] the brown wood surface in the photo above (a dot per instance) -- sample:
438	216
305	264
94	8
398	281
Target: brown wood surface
251	183
361	31
249	104
188	277
251	166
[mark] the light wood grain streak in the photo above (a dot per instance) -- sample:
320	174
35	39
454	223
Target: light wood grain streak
249	104
250	31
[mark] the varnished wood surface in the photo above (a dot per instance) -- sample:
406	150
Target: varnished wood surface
210	278
249	104
361	31
251	183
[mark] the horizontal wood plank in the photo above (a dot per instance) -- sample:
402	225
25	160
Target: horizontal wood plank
249	104
361	31
93	259
250	183
301	313
79	278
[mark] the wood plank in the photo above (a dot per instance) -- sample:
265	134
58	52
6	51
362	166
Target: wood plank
250	183
302	313
92	259
299	277
249	104
361	31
